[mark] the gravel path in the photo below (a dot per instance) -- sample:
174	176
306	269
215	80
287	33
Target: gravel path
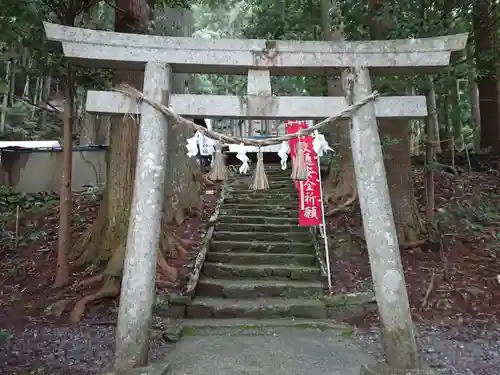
459	350
71	350
86	349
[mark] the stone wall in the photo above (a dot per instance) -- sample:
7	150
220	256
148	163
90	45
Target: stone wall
34	170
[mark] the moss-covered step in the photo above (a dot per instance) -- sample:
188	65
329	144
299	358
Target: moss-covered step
251	219
221	288
262	236
262	201
259	308
288	197
273	184
262	258
264	208
255	246
234	210
285	193
252	227
261	271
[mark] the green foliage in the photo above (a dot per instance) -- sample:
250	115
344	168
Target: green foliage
22	38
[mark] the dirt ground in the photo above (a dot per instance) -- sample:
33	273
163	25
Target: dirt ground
453	284
35	337
456	277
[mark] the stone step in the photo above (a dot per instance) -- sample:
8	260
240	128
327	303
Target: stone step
261	271
278	213
260	308
262	258
251	227
276	195
285	193
221	288
250	219
276	183
262	236
276	202
265	247
250	205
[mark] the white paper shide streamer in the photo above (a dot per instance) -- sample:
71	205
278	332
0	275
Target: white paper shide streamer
283	153
242	156
192	145
320	145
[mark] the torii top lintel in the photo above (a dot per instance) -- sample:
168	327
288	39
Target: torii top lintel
236	56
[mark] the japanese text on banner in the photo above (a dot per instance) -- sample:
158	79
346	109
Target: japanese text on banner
311	207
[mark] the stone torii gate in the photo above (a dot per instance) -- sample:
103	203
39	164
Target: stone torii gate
259	59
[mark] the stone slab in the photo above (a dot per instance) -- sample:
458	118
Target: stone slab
258	202
381	368
255	219
253	227
153	369
256	308
237	56
222	288
281	213
262	258
255	246
261	271
265	107
270	350
261	208
322	324
285	192
262	236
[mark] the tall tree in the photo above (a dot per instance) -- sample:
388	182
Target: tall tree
397	133
484	24
340	185
105	241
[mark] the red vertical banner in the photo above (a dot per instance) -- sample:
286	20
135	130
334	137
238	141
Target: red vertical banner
311	207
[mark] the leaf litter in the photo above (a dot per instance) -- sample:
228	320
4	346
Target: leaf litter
453	283
35	337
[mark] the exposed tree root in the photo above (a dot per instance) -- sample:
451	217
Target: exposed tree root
182	242
91	280
340	188
410	245
166	269
86	249
111	288
342	206
164	283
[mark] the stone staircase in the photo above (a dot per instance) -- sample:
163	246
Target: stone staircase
260	263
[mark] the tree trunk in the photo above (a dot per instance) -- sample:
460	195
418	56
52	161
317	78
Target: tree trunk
103	126
474	100
409	224
105	241
399	171
339	187
483	22
88	129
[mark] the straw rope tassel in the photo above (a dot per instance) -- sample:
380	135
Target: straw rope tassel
299	169
218	171
259	178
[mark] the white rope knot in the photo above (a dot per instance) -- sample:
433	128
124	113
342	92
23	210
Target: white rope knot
242	156
192	145
320	145
283	153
